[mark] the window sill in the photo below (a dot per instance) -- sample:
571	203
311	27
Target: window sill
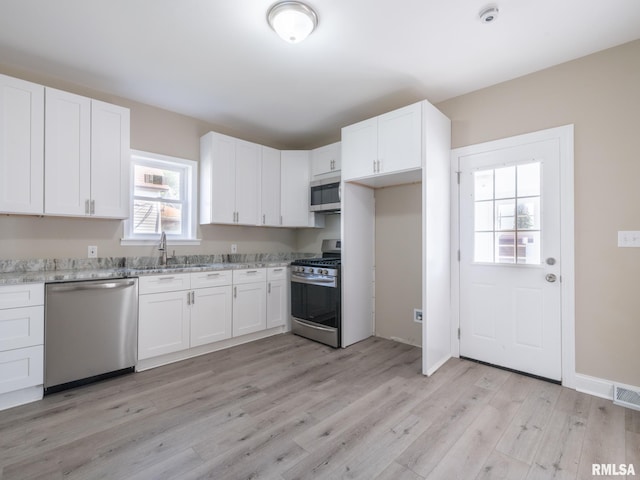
133	242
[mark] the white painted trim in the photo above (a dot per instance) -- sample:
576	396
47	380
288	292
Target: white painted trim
158	361
567	211
20	397
597	387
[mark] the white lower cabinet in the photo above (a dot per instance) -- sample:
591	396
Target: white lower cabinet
277	297
211	315
183	311
163	323
21	344
249	301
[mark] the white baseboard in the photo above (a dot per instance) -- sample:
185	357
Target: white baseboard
147	363
597	387
20	397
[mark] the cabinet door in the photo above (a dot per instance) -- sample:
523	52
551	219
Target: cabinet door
163	323
295	188
211	315
359	149
21	327
249	308
21	368
109	160
21	146
248	182
270	187
326	160
277	303
217	179
67	147
400	139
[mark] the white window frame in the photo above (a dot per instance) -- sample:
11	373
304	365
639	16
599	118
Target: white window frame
189	214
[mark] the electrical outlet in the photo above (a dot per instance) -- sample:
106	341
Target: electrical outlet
629	239
92	251
234	248
417	315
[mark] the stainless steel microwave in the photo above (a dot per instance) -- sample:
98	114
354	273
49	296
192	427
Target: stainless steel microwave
325	195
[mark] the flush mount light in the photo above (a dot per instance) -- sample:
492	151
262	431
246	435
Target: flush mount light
489	14
292	21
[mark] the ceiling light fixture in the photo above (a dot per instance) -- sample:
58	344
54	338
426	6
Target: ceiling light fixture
489	13
292	21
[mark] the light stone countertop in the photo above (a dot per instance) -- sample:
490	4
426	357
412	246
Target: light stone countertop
69	270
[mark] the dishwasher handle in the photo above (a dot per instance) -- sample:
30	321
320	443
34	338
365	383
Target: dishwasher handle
92	285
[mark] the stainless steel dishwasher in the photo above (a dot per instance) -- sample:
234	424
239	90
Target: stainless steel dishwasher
91	331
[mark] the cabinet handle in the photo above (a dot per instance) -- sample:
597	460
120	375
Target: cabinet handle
264	218
164	279
252	272
193	297
374	166
93	207
86	207
188	298
277	270
280	219
269	288
235	292
213	274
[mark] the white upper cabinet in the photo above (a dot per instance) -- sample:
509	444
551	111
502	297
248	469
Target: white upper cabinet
86	157
325	161
21	146
295	167
383	145
230	180
110	160
270	187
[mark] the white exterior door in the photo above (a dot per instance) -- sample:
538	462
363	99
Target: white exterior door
510	264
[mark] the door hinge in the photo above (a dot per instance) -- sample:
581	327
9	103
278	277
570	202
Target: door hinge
458	175
458	255
458	333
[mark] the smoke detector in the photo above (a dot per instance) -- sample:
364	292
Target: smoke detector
489	14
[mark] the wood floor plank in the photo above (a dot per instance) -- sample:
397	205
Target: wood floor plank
395	471
605	438
428	450
502	467
559	453
523	437
284	407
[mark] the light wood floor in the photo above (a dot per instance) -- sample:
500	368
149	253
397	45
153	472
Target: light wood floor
288	408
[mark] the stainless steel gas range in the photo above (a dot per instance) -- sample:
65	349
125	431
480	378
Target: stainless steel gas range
316	300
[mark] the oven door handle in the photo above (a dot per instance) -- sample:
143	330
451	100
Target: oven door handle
314	280
314	326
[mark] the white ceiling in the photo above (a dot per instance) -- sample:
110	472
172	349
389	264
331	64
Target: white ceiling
218	60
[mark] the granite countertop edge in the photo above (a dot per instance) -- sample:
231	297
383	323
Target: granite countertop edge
53	276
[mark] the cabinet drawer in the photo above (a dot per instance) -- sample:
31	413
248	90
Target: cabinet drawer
164	283
21	327
277	273
211	279
251	275
21	368
27	295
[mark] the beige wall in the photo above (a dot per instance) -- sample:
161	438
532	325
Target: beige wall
398	262
154	130
600	95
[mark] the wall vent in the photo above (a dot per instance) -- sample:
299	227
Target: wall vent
626	396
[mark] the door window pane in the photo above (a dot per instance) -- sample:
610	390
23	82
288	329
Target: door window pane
507	215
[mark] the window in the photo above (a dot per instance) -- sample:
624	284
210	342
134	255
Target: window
507	214
163	198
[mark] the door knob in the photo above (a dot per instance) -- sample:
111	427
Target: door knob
551	277
551	261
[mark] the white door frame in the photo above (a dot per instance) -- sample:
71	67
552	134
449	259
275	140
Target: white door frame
565	136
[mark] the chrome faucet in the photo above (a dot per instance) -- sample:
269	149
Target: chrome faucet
163	248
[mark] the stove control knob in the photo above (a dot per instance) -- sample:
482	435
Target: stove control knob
325	271
310	269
